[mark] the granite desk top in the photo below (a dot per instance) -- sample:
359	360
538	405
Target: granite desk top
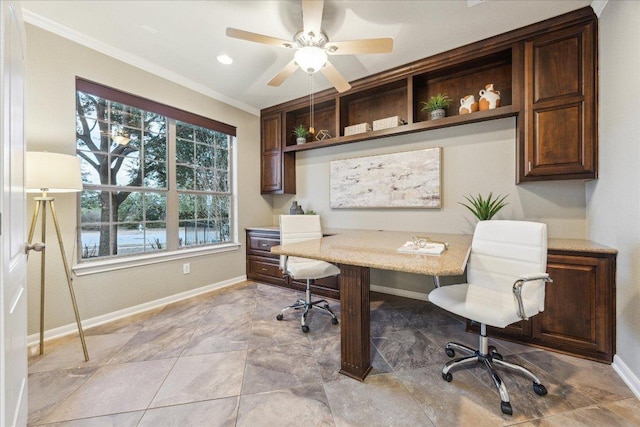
378	249
557	244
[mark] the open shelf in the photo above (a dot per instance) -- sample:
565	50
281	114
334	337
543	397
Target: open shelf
324	117
365	106
457	120
462	79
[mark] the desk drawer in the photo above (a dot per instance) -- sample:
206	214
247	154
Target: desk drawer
262	244
266	269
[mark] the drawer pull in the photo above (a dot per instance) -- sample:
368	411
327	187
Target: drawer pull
264	269
263	244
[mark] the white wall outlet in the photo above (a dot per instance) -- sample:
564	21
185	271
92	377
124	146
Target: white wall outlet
186	268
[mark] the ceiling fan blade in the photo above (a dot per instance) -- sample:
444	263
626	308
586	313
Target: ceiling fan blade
258	38
355	47
288	69
312	15
335	77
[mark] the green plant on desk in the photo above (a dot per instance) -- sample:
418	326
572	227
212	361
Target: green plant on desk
485	208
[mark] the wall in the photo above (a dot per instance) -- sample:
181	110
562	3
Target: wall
52	65
477	158
613	201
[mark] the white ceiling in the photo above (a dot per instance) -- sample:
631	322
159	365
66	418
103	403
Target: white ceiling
179	40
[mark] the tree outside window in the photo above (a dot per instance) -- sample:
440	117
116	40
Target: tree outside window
129	180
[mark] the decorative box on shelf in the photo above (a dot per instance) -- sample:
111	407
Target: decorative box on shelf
356	129
389	122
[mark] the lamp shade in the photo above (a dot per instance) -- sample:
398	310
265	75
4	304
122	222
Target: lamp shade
310	58
52	173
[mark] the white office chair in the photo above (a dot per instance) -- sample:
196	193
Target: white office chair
506	282
298	228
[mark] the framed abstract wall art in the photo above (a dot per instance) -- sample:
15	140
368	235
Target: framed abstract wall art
398	180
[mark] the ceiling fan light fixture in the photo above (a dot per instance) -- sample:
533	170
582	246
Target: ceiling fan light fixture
310	58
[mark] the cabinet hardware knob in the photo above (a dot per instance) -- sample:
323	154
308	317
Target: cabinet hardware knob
264	269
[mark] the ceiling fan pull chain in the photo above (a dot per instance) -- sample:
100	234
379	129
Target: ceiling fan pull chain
311	108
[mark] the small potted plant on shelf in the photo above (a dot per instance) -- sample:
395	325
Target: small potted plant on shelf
485	208
436	105
301	133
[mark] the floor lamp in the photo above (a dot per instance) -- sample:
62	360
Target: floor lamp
52	173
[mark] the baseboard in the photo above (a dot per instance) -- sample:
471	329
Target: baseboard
400	292
627	375
72	328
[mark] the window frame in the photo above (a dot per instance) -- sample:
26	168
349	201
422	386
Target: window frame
173	114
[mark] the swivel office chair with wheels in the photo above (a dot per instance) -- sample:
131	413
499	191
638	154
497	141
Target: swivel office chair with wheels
506	283
299	228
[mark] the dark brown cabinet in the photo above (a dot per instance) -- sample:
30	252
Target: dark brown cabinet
263	266
277	169
579	315
560	105
579	309
546	74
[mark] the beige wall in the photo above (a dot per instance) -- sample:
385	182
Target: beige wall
52	65
477	158
613	201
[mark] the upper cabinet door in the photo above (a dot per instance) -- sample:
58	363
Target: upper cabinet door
271	152
560	132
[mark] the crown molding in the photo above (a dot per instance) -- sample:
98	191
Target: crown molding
598	6
77	37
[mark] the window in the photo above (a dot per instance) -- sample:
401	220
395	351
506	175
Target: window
155	178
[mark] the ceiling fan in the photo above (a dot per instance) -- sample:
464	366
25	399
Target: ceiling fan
312	47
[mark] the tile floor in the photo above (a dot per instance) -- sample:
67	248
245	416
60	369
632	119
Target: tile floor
221	359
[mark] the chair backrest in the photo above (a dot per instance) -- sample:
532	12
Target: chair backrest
298	228
502	251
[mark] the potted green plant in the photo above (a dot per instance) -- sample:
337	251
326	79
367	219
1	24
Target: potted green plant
436	105
301	133
484	208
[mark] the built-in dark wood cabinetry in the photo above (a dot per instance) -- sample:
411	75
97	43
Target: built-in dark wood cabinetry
263	266
579	310
546	74
560	105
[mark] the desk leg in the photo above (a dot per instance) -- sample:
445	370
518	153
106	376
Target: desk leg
355	349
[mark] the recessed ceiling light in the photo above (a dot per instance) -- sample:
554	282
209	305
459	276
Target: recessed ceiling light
224	59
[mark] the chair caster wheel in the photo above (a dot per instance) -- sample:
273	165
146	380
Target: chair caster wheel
447	377
334	320
279	316
494	353
450	352
505	407
305	329
540	389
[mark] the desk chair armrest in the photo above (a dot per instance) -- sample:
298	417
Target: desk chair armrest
517	289
283	262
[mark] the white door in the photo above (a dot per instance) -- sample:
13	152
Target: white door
13	228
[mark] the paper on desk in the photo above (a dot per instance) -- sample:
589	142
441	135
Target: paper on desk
428	249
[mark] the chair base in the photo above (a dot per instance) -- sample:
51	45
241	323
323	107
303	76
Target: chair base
488	356
306	304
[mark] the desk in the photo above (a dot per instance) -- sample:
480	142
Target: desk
356	251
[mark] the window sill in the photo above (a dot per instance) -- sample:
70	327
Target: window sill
104	266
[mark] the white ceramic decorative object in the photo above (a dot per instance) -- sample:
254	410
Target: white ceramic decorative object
301	140
489	98
468	105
